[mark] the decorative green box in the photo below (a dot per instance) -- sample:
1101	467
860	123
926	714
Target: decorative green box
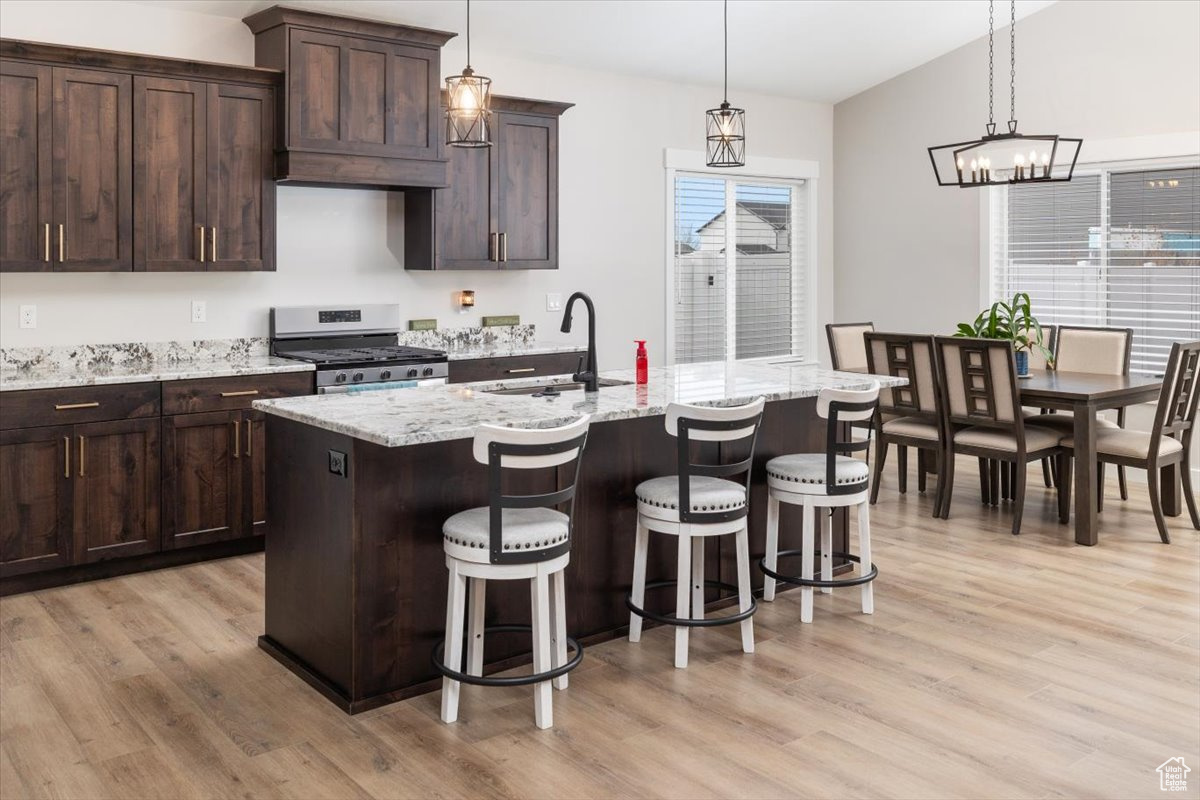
496	322
422	324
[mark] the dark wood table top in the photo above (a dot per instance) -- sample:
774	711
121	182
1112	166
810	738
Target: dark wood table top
1078	387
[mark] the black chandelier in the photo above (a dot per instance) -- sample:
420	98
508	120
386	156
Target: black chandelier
1005	158
468	104
725	127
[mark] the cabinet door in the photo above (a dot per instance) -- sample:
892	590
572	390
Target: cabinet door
527	190
241	182
92	170
255	439
117	489
203	480
170	145
465	219
314	78
25	153
35	499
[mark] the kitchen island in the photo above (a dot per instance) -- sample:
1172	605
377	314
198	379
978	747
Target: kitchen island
361	484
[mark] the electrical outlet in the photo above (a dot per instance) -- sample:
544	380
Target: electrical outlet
28	316
199	311
553	301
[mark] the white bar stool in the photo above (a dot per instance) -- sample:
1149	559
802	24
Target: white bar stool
825	481
698	502
514	537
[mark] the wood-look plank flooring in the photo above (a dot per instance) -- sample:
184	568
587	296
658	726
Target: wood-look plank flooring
994	666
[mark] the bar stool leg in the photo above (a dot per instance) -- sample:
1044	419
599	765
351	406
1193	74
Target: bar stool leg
806	564
539	590
476	597
641	544
827	549
698	577
772	560
456	596
558	619
682	596
864	553
742	541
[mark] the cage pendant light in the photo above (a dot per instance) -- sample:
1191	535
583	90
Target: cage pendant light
468	104
725	127
1005	158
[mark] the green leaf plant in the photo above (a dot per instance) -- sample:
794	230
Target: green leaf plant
1013	321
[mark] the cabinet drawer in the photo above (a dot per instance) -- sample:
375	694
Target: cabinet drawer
78	404
494	369
231	394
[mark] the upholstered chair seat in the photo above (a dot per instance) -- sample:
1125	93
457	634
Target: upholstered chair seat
1035	439
806	472
1128	444
659	497
467	534
917	429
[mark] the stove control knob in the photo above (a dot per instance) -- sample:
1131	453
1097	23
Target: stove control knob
358	376
339	378
412	373
427	372
384	374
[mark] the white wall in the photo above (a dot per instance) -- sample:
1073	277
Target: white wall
333	243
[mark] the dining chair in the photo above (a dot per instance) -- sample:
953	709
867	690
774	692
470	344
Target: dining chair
847	350
913	412
1101	351
1168	442
978	382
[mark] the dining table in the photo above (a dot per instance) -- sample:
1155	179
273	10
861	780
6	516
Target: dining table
1085	395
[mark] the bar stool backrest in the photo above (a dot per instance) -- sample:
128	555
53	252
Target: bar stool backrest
1180	396
909	356
846	347
839	406
712	424
979	383
1102	351
503	448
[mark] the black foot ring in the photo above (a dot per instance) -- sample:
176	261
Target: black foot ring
514	680
707	622
792	579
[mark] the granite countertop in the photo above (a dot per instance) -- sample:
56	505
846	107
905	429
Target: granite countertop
54	376
400	417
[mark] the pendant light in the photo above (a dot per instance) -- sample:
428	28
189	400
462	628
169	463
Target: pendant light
725	127
468	104
1005	158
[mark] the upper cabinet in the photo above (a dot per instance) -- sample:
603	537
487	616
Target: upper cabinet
500	208
133	163
361	100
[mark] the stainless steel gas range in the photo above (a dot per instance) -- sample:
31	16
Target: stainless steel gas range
355	347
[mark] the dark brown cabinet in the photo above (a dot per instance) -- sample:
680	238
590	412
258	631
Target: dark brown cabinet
205	481
147	164
35	499
508	367
361	103
500	210
117	476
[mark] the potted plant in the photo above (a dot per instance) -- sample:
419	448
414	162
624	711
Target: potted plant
1013	321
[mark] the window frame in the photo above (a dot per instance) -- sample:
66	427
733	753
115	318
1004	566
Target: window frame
780	171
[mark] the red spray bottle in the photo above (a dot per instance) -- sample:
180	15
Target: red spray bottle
643	362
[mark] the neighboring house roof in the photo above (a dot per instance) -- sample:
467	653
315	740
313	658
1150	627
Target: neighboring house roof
683	248
754	249
774	214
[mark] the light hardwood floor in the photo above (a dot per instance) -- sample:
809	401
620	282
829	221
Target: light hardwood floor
994	666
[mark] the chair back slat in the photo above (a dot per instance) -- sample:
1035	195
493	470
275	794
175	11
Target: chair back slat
1101	351
837	407
846	347
979	382
1180	395
910	357
713	424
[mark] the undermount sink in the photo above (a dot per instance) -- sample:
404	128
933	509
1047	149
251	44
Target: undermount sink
554	389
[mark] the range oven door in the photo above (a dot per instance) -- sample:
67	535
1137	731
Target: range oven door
372	387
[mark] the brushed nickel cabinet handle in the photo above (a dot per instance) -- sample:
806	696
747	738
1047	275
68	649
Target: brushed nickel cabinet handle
46	249
241	393
73	406
237	439
66	456
83	456
62	245
213	249
493	248
520	369
200	229
504	247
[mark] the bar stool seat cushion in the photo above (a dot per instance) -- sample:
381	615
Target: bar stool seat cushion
804	473
1065	419
1035	439
906	426
1130	444
467	535
659	497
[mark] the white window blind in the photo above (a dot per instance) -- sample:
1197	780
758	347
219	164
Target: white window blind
1118	248
740	252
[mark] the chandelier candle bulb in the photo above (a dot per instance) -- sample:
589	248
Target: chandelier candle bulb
1045	165
959	166
974	167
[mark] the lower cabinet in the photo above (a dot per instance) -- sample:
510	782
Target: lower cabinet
36	491
214	487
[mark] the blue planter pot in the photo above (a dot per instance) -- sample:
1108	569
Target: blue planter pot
1022	363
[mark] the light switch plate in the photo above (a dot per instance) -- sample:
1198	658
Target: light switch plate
199	311
28	316
553	301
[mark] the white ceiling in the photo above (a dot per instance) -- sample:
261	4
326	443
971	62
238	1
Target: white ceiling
823	50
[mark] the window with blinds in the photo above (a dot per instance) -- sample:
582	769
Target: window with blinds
1117	248
739	269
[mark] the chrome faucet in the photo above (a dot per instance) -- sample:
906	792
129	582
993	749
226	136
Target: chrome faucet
588	374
